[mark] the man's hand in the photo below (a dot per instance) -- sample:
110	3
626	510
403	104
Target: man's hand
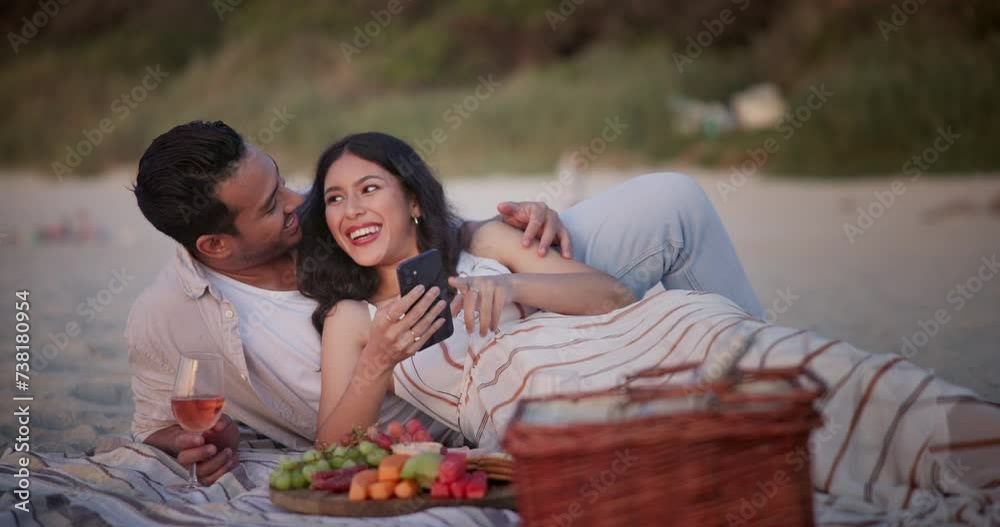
215	451
533	217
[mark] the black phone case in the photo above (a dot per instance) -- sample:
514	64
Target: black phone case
427	269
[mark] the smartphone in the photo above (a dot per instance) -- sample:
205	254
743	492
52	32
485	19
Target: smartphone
427	269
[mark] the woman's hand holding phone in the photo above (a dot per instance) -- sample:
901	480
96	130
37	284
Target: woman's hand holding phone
485	295
400	328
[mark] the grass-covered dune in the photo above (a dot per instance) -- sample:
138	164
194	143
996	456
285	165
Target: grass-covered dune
506	87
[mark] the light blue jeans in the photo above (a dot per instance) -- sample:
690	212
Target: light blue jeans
659	227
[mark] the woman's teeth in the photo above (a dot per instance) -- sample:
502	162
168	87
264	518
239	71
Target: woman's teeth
365	232
290	220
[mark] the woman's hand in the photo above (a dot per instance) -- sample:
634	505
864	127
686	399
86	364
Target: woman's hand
485	295
399	330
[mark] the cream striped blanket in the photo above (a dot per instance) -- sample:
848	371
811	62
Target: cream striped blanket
897	441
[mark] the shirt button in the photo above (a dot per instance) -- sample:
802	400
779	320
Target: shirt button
229	313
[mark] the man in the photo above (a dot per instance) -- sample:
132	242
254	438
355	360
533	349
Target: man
231	287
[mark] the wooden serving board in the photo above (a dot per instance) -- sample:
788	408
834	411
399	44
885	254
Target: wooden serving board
309	501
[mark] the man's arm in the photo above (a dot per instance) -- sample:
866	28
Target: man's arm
535	218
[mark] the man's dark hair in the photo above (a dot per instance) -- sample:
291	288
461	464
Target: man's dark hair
179	175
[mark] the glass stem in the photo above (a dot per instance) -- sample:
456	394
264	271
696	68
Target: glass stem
193	478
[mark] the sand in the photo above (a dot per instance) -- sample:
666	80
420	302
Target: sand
874	292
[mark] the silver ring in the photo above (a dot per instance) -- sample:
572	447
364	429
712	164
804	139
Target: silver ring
415	337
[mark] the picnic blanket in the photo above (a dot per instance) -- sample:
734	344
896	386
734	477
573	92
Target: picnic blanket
898	446
127	486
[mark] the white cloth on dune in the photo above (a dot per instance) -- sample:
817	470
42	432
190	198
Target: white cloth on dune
894	436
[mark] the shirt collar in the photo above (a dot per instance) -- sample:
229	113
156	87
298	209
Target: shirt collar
192	275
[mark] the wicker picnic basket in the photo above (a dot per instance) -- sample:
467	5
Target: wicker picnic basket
742	460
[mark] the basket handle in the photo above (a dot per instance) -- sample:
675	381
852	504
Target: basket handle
658	371
728	368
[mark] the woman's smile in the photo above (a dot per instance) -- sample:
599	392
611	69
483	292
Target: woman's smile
363	234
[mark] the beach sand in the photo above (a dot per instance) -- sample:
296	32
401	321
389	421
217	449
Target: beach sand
874	292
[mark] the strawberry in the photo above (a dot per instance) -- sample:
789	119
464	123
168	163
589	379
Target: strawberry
458	488
440	490
452	468
477	485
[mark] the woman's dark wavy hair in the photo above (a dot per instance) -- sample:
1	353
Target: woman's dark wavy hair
325	272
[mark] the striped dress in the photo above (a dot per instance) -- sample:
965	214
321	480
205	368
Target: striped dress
894	435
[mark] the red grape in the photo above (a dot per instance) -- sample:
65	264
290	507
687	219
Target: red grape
383	441
413	426
394	429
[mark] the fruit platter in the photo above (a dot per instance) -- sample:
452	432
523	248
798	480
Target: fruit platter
391	472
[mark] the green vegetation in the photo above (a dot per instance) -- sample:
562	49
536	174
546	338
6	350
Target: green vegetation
552	89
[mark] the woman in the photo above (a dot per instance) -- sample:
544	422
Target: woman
890	425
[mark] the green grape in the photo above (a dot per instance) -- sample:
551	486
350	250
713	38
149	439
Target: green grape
283	481
337	462
340	451
308	470
299	480
366	447
310	456
349	463
322	465
375	458
354	454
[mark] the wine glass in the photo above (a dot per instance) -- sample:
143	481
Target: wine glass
197	400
